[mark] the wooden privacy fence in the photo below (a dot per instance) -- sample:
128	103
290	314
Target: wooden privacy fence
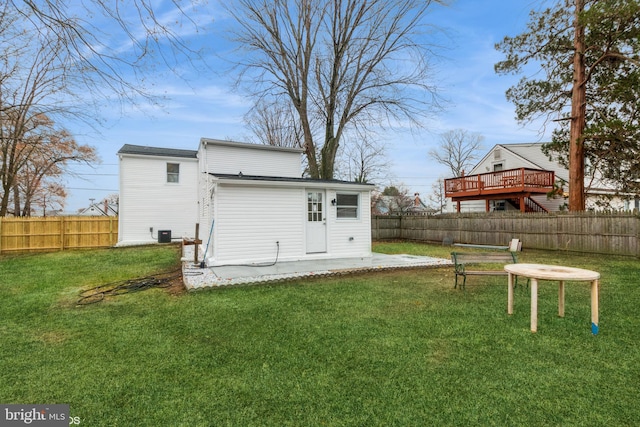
616	233
39	234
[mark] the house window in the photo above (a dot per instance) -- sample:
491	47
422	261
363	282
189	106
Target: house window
173	172
498	167
347	205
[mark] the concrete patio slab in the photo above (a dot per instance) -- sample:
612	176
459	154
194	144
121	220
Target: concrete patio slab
195	277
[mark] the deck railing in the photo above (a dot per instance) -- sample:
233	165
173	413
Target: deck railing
506	181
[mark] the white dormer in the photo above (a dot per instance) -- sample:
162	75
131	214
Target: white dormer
228	157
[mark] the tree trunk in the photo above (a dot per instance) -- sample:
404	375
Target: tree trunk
329	151
578	117
16	201
4	201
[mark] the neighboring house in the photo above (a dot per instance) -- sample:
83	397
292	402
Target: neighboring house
420	207
544	187
103	208
250	201
399	205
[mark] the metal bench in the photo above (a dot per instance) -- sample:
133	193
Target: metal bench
462	259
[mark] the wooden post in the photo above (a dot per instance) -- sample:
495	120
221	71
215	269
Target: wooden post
637	219
534	304
195	246
594	307
510	294
561	298
62	233
112	241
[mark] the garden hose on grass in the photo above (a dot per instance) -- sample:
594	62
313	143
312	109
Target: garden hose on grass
97	294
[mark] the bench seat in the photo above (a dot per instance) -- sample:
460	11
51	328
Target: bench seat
463	259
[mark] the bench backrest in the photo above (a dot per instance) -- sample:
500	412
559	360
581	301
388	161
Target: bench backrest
484	258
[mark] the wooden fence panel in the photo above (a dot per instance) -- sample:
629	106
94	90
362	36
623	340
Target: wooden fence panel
42	234
613	233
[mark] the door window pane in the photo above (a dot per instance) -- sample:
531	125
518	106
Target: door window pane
314	207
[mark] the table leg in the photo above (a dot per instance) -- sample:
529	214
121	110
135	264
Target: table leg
594	307
561	298
534	305
510	294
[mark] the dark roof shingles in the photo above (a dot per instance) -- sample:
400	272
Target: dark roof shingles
157	151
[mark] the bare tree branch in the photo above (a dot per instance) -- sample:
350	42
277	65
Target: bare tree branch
458	150
340	63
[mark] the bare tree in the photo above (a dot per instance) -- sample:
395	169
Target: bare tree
36	82
437	197
55	64
363	161
458	149
393	200
142	35
49	198
275	124
37	165
341	63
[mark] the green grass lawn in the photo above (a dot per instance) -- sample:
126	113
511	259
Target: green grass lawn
390	348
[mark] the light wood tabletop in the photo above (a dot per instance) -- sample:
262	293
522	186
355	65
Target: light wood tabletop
560	273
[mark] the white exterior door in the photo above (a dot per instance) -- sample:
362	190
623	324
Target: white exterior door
316	222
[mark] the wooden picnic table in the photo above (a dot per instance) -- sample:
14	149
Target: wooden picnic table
537	272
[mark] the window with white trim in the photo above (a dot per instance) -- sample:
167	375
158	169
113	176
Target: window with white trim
173	173
347	205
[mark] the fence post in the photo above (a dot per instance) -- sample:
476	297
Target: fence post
62	225
112	241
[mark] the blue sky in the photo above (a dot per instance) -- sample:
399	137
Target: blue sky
202	104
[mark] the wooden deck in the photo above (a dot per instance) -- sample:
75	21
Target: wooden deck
516	185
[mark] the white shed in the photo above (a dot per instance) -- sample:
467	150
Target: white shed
251	202
258	209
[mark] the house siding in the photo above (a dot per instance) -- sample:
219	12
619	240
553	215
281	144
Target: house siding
249	221
224	159
350	237
147	200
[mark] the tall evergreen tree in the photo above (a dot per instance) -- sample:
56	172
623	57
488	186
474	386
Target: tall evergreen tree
585	57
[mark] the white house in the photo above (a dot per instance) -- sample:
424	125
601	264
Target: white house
158	192
504	157
104	208
250	201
